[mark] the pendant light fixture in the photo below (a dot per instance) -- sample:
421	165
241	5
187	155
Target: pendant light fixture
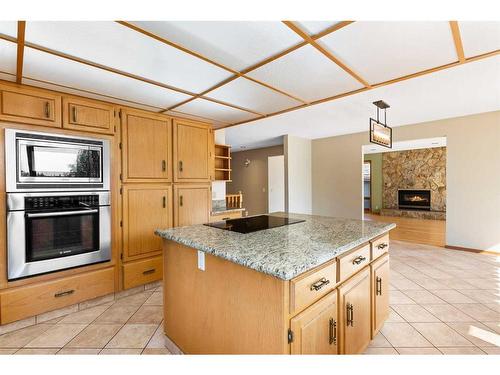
380	133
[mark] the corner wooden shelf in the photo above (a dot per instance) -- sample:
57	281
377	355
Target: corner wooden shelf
222	163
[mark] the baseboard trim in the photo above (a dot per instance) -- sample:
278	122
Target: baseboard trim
471	250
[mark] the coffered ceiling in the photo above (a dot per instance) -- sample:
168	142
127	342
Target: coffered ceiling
231	73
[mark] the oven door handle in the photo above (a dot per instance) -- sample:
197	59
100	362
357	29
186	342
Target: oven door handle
62	213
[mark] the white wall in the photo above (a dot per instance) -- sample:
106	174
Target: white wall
472	172
298	177
219	187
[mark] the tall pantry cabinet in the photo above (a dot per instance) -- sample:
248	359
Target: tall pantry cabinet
165	178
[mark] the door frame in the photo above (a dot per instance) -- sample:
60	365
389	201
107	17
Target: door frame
370	210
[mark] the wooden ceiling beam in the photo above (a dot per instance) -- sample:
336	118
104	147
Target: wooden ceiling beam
21	29
457	39
325	52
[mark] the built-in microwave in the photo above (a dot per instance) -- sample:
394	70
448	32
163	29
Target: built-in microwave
42	162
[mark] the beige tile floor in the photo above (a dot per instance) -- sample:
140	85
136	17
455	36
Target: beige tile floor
442	302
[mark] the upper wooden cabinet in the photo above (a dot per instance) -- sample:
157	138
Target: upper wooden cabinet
192	203
355	313
145	209
193	151
146	147
87	115
315	329
380	293
30	106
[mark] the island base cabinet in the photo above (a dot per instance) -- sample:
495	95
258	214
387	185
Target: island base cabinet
355	313
315	329
380	293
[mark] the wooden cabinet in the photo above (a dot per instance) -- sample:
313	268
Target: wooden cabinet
355	318
380	292
142	272
315	329
30	106
192	204
87	115
379	247
350	263
145	209
193	151
146	147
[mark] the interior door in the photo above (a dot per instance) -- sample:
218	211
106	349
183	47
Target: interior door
380	293
192	204
276	183
145	209
191	151
315	329
355	313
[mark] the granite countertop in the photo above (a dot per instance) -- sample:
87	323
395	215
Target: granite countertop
226	210
283	252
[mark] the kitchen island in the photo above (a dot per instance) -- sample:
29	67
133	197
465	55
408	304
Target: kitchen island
312	287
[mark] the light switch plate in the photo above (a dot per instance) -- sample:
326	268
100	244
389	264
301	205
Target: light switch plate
201	260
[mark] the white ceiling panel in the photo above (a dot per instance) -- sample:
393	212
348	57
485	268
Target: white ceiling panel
237	45
479	37
116	46
380	51
307	74
218	112
8	28
8	56
8	77
250	95
47	67
315	27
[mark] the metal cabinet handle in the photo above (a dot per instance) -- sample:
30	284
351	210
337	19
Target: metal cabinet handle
164	202
320	284
359	260
181	167
74	113
163	165
333	331
378	290
47	109
350	315
382	246
148	272
181	201
65	293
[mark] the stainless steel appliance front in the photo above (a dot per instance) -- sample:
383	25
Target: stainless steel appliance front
48	232
47	162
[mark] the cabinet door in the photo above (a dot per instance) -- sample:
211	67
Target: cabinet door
87	115
380	293
355	314
192	151
145	208
191	204
315	329
30	106
146	150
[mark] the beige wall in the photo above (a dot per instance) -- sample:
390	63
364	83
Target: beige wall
252	180
473	176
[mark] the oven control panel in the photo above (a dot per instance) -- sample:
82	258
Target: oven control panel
70	201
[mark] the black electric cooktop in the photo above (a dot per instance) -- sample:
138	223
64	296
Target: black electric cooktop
254	223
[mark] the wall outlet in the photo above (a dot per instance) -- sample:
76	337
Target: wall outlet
201	260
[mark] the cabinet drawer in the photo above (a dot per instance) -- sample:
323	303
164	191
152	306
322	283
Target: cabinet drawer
30	107
225	216
352	262
89	116
142	272
308	288
32	300
380	247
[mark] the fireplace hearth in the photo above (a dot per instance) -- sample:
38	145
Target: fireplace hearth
414	199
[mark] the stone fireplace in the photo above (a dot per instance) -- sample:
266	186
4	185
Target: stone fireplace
412	199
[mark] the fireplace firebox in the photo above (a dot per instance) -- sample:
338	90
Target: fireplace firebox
411	199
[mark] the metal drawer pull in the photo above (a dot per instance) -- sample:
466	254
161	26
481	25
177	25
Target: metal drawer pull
164	202
379	286
74	114
359	260
181	201
350	315
181	168
47	109
66	293
163	165
320	284
382	246
148	272
333	332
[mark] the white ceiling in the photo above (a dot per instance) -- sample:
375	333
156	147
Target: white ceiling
414	144
459	91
